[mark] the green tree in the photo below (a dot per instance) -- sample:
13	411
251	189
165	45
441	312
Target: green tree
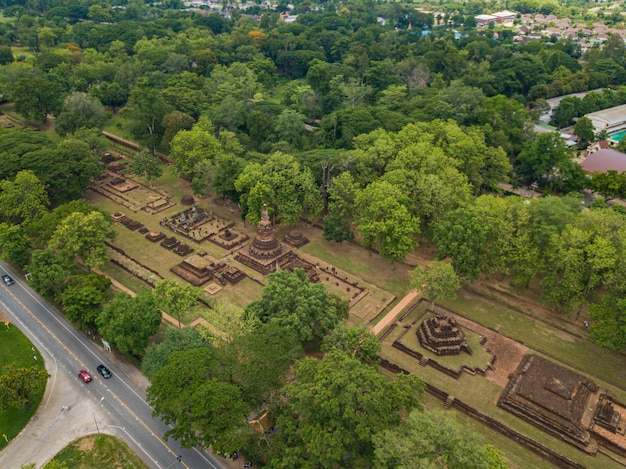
6	55
358	342
584	259
36	97
24	199
384	222
259	361
290	126
288	189
230	320
14	244
335	406
145	109
80	110
190	147
175	340
17	385
175	299
608	325
436	280
433	439
201	410
462	236
341	194
609	184
83	235
291	301
547	160
173	123
128	322
146	164
83	296
568	108
585	131
69	170
49	272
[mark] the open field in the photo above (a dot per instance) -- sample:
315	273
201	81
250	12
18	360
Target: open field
15	348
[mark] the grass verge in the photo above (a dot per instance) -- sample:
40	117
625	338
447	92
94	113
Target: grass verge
99	451
15	348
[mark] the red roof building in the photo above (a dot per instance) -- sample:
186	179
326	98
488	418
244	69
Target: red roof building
604	160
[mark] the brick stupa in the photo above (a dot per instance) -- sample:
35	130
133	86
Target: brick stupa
265	253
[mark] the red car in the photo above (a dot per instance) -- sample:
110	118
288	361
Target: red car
86	377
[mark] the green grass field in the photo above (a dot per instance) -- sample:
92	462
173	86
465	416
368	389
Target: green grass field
104	451
15	348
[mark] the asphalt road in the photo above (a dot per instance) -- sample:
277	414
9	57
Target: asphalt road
72	408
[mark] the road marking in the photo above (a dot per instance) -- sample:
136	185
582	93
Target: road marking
85	367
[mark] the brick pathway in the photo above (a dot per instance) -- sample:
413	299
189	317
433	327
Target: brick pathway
391	315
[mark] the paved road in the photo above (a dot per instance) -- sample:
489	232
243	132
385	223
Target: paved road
116	406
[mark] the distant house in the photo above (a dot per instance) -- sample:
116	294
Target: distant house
605	160
484	20
610	120
505	16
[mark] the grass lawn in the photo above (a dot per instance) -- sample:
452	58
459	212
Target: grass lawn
103	451
15	348
119	126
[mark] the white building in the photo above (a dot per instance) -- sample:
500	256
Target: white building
610	120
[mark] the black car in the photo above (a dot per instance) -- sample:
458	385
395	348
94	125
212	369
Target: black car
104	371
8	281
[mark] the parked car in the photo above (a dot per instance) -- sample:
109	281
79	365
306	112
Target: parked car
104	371
86	377
8	281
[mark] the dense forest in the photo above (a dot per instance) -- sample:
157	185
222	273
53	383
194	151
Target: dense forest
385	130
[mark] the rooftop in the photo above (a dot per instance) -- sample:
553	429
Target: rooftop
612	115
604	160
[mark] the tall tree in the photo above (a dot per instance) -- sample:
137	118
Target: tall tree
174	298
83	235
49	272
200	409
384	222
433	439
24	199
146	164
608	326
335	406
288	189
80	110
14	244
190	147
356	341
291	301
146	109
436	280
36	97
83	297
176	340
128	322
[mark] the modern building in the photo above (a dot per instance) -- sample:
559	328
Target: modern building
610	120
484	20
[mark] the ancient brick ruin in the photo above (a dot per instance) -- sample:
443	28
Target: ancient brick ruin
555	399
265	253
442	336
